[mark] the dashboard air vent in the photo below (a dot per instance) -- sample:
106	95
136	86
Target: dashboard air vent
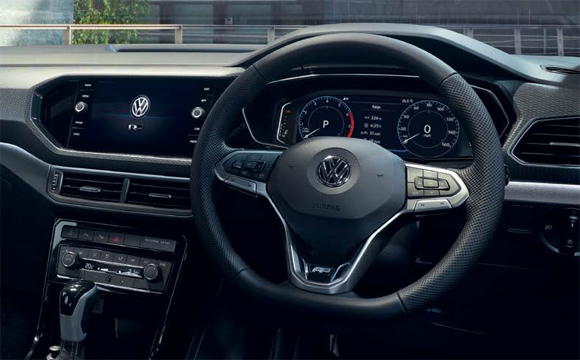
159	193
92	187
562	70
551	142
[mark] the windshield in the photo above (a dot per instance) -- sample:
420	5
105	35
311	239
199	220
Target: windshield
529	27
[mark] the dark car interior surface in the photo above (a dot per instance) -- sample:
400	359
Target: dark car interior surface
349	191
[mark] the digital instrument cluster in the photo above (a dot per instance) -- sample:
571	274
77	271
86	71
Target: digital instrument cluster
409	126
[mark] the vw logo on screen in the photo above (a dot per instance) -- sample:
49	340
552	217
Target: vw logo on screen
140	106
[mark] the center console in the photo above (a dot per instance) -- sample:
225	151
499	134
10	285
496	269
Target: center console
113	258
135	272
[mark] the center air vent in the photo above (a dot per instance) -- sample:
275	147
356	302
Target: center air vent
159	193
551	142
92	187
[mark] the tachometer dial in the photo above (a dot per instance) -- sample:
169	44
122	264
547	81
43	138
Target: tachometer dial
325	116
428	129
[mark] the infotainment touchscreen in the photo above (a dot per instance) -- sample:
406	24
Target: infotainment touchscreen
140	117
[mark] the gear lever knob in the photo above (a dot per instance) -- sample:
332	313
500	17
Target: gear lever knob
77	299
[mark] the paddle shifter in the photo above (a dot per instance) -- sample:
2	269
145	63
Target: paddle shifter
77	299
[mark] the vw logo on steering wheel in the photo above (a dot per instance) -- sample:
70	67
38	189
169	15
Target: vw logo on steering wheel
333	171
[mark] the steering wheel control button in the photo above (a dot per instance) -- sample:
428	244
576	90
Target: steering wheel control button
430	174
443	185
242	184
450	188
432	205
413	192
431	193
430	183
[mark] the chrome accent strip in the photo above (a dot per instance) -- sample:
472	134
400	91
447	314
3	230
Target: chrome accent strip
361	262
521	135
543	193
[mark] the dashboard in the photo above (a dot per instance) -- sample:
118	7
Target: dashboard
56	152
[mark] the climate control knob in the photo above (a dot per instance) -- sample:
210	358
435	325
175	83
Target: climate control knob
69	259
198	113
150	272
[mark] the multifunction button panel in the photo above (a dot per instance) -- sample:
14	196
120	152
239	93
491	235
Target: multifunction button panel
120	263
426	183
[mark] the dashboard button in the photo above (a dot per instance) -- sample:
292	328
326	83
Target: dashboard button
198	113
95	276
106	256
94	254
85	234
132	240
119	280
70	232
119	258
432	205
116	238
101	236
133	260
148	242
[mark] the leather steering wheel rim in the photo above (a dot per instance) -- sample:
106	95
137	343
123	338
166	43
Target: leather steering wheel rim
484	178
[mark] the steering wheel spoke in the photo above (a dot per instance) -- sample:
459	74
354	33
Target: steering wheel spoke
432	189
247	170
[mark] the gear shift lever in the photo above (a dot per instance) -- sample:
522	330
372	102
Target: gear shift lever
77	299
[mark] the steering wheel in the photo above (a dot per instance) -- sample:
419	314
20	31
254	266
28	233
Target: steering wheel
334	196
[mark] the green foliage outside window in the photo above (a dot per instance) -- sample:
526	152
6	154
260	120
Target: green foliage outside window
108	12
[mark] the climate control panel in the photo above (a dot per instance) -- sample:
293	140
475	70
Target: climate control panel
114	258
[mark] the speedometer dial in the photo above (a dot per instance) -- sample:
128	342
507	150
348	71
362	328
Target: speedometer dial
428	129
325	116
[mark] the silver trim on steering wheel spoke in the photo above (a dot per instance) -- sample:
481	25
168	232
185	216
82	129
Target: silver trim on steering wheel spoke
346	275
